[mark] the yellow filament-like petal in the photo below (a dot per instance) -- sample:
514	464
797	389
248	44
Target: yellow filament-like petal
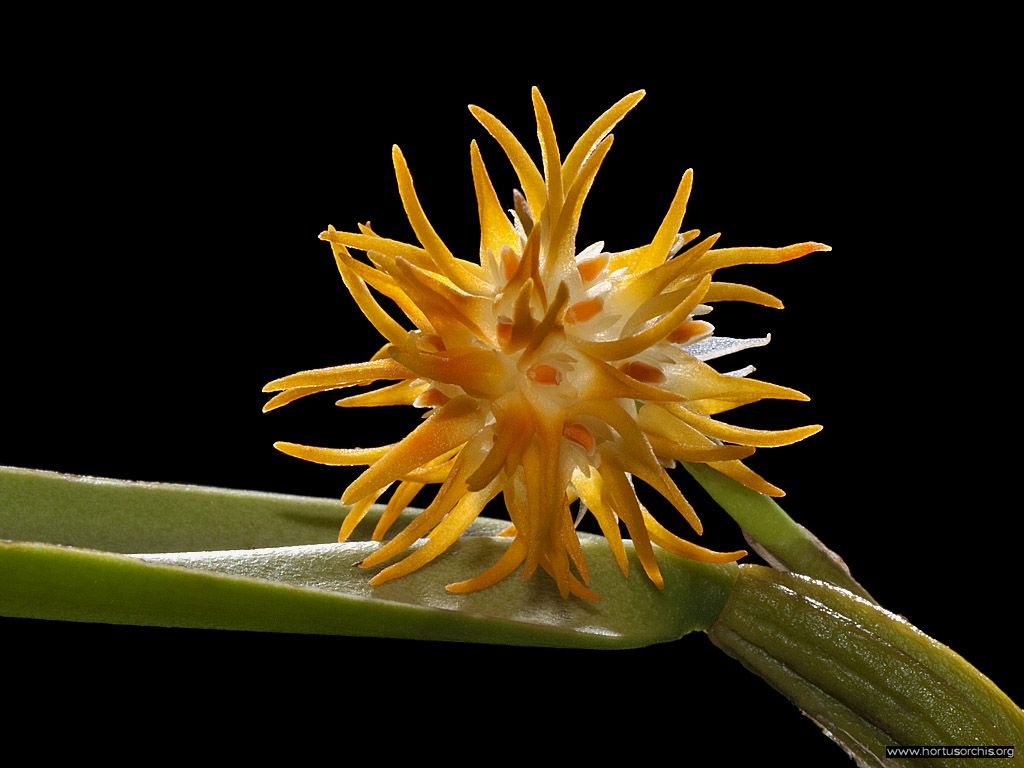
600	128
668	449
589	489
619	349
654	254
655	307
739	292
451	267
656	477
445	306
655	419
742	474
621	497
665	539
291	395
449	426
387	286
480	372
382	245
342	376
759	438
432	474
571	542
442	537
453	489
529	177
639	458
546	499
608	382
521	330
400	499
356	515
563	258
697	380
511	559
582	592
729	257
648	285
379	319
336	457
496	231
550	156
680	440
402	393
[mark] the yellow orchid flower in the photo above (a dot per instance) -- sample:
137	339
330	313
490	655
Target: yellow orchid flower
550	376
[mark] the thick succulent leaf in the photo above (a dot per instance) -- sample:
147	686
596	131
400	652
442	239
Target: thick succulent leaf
866	676
214	558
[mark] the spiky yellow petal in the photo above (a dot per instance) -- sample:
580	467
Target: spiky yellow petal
593	136
342	376
338	457
529	176
452	425
458	272
719	291
496	231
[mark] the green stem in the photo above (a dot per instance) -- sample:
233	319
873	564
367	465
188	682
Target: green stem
867	677
783	542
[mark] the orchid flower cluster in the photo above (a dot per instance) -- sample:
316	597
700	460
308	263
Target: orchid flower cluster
551	376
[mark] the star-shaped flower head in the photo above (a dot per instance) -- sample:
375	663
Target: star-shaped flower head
551	377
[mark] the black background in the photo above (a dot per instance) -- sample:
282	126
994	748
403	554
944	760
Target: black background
161	264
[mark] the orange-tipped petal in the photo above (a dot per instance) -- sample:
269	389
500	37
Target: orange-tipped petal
730	257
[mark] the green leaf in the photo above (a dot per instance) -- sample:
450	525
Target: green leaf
85	549
867	677
779	539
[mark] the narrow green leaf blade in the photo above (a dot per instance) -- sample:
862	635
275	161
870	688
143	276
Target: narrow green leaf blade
314	586
867	677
